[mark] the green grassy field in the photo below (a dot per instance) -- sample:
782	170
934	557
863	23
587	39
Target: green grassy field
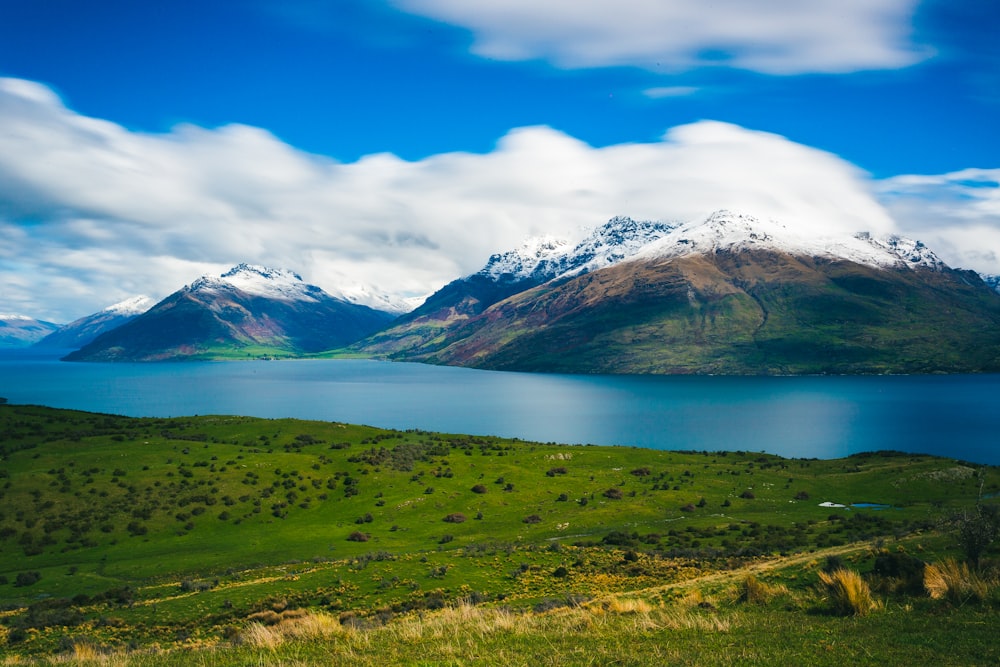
191	534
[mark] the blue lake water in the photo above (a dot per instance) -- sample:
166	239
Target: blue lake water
820	417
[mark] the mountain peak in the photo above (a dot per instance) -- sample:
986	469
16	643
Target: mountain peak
533	258
262	281
135	305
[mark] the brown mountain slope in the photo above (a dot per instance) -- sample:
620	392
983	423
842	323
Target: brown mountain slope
744	312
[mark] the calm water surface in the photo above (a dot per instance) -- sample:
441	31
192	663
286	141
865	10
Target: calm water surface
822	417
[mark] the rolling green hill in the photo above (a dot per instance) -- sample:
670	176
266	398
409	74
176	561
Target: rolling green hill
117	530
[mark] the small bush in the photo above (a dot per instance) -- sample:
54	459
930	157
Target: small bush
559	470
479	488
614	494
747	495
455	517
849	594
27	579
533	518
802	495
358	536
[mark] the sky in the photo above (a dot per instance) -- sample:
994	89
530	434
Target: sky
397	144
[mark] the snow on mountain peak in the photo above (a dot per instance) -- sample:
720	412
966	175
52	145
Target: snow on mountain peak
136	305
617	239
546	257
992	280
261	281
734	232
532	259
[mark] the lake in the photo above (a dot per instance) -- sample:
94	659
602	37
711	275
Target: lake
810	417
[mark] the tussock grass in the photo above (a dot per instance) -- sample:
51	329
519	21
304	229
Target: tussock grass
848	593
269	630
754	591
953	581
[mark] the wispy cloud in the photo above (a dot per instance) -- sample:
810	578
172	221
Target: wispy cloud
91	212
770	36
956	213
670	91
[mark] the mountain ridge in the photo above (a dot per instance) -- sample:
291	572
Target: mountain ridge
82	331
725	294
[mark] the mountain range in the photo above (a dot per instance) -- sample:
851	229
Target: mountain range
22	331
724	294
248	311
728	294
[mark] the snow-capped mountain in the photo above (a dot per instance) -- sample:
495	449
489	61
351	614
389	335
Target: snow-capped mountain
545	257
727	293
260	281
250	310
735	232
80	332
22	331
363	295
537	258
991	280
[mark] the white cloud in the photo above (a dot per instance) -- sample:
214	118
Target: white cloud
91	213
956	214
771	36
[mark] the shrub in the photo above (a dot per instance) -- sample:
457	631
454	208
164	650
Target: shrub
802	495
687	508
614	494
976	530
953	581
27	578
898	572
455	517
641	472
560	572
559	470
849	594
533	518
747	495
479	488
358	536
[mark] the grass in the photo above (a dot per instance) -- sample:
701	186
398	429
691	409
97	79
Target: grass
231	535
849	594
953	581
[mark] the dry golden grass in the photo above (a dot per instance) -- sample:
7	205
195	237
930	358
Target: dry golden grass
618	605
955	582
848	592
271	630
754	591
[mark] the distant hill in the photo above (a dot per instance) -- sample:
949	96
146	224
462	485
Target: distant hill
22	331
248	311
80	332
729	294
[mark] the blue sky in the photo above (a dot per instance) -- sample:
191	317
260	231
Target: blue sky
397	143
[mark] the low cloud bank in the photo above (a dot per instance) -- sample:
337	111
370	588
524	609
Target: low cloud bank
91	213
